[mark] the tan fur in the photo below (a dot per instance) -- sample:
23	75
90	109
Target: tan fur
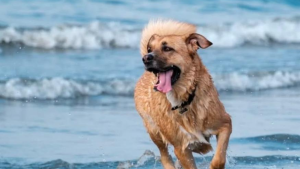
162	28
206	115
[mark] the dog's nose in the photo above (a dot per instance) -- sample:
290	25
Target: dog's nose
148	57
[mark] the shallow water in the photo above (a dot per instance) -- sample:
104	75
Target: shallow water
67	81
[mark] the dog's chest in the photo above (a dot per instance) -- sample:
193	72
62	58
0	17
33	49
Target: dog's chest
171	98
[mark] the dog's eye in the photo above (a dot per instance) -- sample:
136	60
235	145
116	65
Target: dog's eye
149	50
167	49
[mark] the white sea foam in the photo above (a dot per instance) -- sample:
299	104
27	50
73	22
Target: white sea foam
256	33
61	88
65	88
256	81
113	35
92	36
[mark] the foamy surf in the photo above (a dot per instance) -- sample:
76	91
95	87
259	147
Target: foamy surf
255	81
152	161
267	32
97	35
53	88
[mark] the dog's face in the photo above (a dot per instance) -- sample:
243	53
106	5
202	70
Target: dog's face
169	57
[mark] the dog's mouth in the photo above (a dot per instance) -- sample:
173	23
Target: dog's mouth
166	77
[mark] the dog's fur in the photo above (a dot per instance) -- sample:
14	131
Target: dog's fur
188	132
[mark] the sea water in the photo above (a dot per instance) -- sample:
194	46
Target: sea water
68	71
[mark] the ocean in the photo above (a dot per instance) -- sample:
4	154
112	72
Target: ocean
68	71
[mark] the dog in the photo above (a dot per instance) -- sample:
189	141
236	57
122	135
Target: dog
176	97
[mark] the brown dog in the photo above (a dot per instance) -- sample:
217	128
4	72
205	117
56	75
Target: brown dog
176	97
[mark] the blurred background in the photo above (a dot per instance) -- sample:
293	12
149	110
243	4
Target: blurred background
68	70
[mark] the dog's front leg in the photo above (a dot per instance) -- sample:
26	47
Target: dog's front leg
165	158
219	160
185	158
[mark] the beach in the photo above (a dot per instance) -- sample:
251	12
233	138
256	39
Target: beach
67	79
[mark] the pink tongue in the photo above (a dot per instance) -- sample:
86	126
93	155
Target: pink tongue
164	84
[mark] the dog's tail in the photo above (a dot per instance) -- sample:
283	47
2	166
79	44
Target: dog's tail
202	148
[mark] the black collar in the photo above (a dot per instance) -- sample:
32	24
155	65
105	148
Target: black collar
185	103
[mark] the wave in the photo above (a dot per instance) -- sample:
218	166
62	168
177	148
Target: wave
267	32
255	81
54	88
97	35
275	142
152	161
275	138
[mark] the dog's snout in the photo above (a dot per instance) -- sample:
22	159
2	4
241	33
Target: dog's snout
148	57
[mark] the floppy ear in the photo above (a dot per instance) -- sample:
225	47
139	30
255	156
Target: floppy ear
197	40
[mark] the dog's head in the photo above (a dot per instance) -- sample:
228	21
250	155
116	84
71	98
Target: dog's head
170	56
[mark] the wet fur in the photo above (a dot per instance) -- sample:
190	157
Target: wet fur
206	115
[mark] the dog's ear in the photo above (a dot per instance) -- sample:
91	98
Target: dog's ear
196	41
